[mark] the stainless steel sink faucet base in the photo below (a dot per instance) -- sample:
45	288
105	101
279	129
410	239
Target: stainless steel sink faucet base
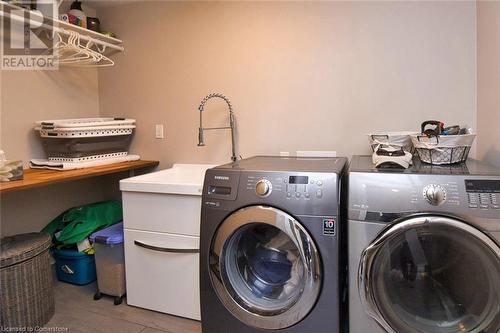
201	139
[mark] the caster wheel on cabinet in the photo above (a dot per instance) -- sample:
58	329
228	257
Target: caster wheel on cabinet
97	296
118	300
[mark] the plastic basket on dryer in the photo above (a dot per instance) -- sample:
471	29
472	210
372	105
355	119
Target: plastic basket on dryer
85	139
443	149
392	139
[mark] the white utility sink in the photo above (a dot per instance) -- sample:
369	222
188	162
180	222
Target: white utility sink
161	219
180	179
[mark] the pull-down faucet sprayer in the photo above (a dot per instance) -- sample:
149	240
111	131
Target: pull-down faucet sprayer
201	138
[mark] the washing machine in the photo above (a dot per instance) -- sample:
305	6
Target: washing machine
424	250
271	230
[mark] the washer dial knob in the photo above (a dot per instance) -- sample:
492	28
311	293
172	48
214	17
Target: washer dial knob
263	187
435	194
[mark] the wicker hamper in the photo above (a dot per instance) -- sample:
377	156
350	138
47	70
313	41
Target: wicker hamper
26	291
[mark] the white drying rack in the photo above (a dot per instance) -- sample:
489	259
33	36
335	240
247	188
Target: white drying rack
53	26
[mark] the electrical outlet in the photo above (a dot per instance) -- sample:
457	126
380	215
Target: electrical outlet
159	131
284	153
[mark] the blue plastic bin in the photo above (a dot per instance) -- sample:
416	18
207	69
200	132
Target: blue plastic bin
112	235
74	267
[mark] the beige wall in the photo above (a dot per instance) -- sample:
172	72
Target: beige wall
28	96
488	80
31	210
301	75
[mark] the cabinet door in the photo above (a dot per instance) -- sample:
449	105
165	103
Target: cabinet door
162	272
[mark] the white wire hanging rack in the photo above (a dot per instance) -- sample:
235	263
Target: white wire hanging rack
54	26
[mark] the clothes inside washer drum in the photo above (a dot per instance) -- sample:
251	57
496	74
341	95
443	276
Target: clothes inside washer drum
273	271
268	271
271	265
268	266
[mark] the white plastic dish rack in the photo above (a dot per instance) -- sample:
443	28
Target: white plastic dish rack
84	139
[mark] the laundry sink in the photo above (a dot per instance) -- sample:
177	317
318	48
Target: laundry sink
161	219
180	179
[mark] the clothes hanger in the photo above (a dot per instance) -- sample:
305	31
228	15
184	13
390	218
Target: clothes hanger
77	53
100	60
74	53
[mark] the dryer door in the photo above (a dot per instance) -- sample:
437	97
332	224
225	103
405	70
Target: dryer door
265	267
432	274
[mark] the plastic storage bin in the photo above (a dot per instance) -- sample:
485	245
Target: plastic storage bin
26	290
74	267
110	262
84	139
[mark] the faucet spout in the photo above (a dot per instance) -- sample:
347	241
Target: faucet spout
201	141
201	138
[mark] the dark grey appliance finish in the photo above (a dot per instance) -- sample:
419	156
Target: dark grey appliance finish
424	251
271	237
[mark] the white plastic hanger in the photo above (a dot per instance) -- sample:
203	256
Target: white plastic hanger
74	53
87	56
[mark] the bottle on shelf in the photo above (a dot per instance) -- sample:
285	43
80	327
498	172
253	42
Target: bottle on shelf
76	15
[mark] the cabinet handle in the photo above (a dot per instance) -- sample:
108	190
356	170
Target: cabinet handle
165	249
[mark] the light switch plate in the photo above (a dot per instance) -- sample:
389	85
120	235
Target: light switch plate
159	131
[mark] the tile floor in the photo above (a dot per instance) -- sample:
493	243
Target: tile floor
78	312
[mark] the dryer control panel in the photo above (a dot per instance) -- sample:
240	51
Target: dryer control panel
483	193
383	197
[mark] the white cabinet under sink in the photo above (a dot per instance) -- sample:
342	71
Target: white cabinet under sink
160	280
161	215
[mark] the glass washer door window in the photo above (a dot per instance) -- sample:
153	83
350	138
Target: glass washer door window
265	268
432	274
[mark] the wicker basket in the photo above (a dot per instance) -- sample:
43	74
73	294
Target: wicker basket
443	149
27	296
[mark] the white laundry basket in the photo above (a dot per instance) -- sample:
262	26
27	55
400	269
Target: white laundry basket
443	149
84	139
393	139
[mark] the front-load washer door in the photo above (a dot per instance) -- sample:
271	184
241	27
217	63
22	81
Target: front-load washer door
265	268
432	274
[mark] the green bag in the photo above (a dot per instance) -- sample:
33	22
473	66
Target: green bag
76	224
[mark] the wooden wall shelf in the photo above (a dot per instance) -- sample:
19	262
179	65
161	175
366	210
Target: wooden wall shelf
42	177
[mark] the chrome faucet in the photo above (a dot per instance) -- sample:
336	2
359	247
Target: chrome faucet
201	140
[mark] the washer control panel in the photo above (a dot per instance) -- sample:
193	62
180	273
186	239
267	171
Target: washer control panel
292	187
263	188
